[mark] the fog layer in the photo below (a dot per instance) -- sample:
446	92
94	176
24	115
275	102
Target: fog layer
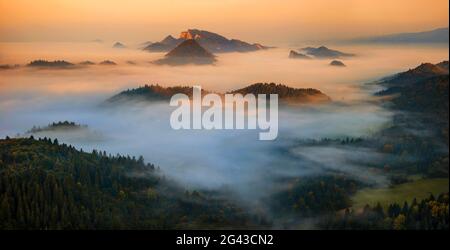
206	159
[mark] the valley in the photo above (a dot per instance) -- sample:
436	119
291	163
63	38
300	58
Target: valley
94	137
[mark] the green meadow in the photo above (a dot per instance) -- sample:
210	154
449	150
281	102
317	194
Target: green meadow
419	189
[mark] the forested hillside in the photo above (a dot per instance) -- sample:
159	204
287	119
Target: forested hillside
428	214
44	185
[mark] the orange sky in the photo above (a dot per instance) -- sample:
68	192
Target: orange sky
253	20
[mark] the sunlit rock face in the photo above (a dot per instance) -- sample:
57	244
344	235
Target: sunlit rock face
186	35
213	42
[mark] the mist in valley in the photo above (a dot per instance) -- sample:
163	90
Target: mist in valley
233	160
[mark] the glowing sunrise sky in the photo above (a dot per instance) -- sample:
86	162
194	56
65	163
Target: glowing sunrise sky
252	20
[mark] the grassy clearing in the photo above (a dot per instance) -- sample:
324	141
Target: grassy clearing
419	189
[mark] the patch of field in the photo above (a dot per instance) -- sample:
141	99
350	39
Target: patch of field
419	189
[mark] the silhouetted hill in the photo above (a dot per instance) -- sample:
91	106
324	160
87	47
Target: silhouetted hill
188	52
443	65
211	41
337	63
65	125
423	89
295	55
164	45
189	48
67	131
7	66
87	63
145	44
107	63
324	52
285	93
151	93
170	40
119	45
51	64
421	72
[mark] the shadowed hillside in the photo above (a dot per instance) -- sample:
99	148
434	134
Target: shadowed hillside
188	52
44	185
153	93
285	93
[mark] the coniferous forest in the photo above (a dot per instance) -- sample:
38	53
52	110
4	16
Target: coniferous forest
44	185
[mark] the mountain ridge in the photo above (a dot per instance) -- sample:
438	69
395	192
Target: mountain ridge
439	35
213	42
324	52
151	93
419	73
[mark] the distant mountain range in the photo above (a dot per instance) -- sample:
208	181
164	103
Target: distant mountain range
432	36
213	42
152	93
324	52
50	64
188	52
61	64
